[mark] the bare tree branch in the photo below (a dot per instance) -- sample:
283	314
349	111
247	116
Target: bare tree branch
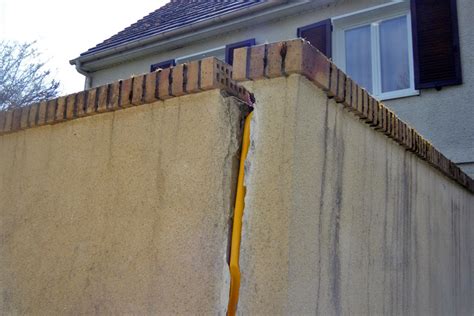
23	77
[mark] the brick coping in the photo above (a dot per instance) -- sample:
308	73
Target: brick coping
299	57
197	76
253	63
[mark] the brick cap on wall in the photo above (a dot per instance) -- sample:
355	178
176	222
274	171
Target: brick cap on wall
197	76
253	63
299	57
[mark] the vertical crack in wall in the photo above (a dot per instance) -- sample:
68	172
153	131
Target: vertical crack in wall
234	114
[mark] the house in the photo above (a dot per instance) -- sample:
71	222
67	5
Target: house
427	44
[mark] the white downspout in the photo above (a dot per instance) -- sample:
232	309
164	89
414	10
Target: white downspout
88	80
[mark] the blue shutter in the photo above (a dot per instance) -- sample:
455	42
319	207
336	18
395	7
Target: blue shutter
319	35
163	65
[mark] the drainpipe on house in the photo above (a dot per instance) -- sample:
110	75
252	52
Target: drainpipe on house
88	81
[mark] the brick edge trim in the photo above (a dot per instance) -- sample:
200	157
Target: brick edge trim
162	84
298	56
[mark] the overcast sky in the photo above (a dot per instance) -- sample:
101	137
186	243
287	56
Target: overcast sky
64	29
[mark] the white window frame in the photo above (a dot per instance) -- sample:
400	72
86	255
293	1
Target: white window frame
373	16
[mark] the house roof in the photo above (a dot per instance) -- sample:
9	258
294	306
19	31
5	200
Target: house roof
174	15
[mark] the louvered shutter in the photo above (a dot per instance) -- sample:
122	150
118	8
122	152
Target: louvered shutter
319	35
435	43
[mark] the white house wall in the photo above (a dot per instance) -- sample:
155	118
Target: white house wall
278	30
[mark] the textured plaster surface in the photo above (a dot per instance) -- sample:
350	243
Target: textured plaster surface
339	219
120	213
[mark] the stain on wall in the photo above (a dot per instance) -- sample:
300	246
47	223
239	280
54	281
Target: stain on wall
340	219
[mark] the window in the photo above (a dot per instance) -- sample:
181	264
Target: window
374	47
229	49
162	65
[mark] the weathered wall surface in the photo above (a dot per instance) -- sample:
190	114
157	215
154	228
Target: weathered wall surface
125	212
340	219
128	212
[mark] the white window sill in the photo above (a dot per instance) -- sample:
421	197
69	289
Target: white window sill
397	94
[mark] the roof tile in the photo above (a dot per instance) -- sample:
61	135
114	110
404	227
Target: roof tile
172	16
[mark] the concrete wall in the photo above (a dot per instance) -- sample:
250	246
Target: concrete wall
128	212
340	219
125	212
444	117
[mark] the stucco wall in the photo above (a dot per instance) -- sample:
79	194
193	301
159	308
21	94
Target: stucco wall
125	212
340	219
128	212
444	117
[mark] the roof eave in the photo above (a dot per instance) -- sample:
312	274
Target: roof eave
164	35
164	41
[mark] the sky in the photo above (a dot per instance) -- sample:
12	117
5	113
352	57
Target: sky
63	29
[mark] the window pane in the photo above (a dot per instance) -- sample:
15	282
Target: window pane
359	56
394	54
